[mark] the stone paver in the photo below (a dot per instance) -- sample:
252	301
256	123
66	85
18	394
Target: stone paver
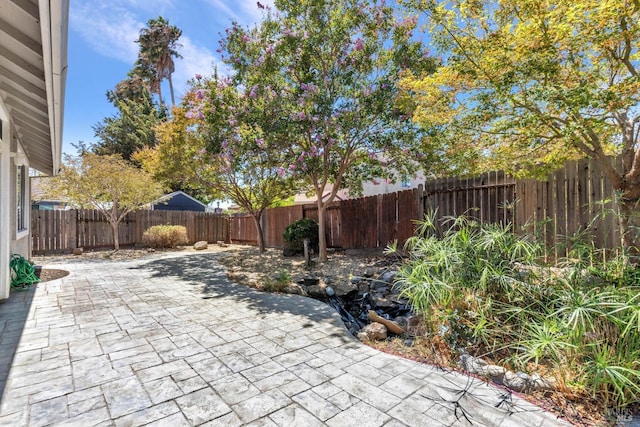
169	341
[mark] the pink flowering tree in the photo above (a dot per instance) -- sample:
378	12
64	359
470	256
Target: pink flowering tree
334	67
220	140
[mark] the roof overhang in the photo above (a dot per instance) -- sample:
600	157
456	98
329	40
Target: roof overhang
33	67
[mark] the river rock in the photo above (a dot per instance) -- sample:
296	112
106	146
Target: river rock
201	245
368	272
373	331
388	276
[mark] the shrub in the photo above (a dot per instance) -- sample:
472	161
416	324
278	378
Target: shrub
480	287
165	236
295	233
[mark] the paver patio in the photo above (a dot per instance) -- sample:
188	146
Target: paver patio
168	340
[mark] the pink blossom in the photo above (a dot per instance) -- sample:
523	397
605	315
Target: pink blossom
292	167
359	45
280	172
253	92
260	142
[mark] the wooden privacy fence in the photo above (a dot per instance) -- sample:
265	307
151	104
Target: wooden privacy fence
572	200
369	222
59	231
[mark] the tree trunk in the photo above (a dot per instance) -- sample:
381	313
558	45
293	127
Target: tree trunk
116	239
322	237
173	99
256	221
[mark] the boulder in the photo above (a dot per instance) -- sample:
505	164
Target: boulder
373	331
201	245
368	272
345	288
77	251
221	243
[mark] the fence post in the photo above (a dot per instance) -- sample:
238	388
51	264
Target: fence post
72	228
420	202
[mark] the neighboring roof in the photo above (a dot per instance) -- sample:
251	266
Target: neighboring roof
33	69
37	192
167	197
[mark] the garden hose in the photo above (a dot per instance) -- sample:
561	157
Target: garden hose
23	273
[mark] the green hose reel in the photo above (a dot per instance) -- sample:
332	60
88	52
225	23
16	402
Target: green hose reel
23	273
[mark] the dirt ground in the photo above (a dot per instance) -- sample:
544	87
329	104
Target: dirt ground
245	264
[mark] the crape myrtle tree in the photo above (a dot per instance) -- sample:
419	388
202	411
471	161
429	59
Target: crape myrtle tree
528	85
225	139
106	183
334	66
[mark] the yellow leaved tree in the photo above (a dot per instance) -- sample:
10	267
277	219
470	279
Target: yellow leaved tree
106	183
526	85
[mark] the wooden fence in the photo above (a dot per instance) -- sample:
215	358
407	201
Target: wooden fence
59	231
569	202
369	222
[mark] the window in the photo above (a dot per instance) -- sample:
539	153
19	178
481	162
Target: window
20	197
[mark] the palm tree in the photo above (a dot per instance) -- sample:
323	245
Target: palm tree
158	46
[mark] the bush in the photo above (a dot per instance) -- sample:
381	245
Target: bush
481	288
295	233
165	236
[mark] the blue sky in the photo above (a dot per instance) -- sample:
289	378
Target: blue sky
102	49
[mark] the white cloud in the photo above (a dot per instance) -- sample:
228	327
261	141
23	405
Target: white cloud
196	59
110	29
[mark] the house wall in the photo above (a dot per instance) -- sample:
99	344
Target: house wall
12	241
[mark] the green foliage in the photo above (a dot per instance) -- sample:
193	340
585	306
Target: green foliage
108	184
295	233
481	288
165	236
131	129
279	283
333	66
158	46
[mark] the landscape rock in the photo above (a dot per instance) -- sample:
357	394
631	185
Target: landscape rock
413	325
201	245
363	288
388	276
517	381
373	331
379	286
345	288
295	289
221	243
390	324
77	251
368	272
